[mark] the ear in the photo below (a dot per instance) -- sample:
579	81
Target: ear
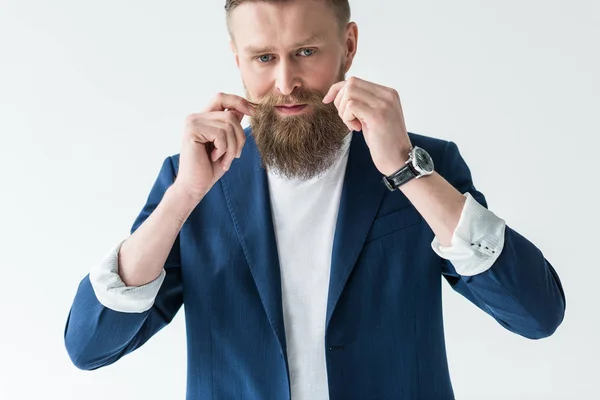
350	44
234	51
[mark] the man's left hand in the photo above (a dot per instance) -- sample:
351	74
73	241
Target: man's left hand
376	110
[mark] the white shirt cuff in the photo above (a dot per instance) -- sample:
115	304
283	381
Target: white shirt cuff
477	240
112	293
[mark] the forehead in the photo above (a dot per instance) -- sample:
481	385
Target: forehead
257	24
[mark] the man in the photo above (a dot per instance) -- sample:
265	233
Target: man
310	261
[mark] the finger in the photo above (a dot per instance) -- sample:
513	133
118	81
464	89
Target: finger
337	87
219	139
224	101
355	88
238	115
241	139
333	91
340	95
211	131
354	92
222	115
240	136
231	148
230	117
355	114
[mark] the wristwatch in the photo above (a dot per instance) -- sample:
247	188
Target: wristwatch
419	164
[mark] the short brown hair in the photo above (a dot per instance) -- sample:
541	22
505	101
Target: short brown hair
341	8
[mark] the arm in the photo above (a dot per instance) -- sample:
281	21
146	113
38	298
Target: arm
108	318
96	335
143	255
486	261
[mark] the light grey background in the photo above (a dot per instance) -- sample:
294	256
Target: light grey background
93	96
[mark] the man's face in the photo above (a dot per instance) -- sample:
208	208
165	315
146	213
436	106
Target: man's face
289	54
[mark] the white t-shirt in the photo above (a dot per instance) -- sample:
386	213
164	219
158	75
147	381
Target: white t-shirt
304	218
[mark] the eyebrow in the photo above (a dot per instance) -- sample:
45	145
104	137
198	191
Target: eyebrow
269	49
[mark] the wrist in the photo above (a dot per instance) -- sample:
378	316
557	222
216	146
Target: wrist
393	168
398	163
418	165
181	200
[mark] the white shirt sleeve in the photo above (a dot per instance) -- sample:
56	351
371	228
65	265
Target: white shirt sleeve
112	293
477	240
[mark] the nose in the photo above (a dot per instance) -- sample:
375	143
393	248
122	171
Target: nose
287	77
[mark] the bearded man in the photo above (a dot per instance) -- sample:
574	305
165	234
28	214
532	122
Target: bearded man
308	248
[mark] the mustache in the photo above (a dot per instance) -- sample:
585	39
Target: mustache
300	97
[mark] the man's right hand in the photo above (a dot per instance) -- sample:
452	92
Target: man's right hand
212	139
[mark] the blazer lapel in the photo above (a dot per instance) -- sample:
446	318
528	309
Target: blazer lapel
246	191
362	193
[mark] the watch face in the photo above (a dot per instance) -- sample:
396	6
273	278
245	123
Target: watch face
422	161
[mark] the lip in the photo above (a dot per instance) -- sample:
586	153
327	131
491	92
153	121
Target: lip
291	109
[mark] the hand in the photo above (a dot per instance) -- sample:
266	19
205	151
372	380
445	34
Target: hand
376	110
212	139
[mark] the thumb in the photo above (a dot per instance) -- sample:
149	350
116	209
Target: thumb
238	115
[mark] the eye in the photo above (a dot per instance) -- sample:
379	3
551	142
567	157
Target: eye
264	58
307	52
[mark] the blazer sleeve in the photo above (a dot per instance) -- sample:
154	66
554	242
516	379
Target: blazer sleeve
96	336
521	290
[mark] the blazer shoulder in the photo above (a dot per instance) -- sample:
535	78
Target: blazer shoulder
429	143
174	162
436	147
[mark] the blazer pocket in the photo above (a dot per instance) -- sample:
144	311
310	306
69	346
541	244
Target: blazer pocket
396	221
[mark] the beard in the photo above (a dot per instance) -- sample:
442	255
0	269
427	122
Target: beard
298	146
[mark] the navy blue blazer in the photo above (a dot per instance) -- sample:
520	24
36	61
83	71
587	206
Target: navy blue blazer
384	333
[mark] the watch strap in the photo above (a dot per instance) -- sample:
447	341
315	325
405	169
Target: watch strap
400	177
